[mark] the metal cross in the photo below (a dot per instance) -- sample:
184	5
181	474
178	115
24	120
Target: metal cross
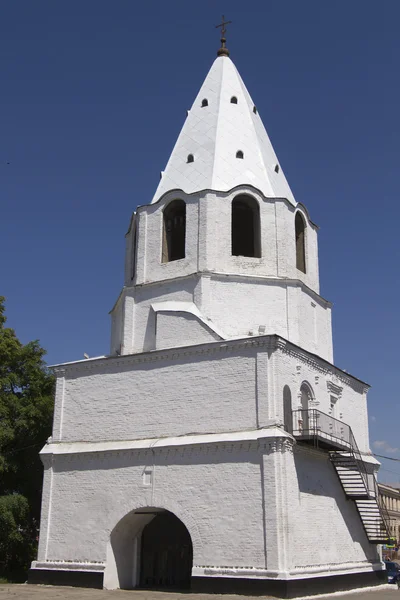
222	25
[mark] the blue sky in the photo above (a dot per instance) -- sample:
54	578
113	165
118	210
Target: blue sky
93	95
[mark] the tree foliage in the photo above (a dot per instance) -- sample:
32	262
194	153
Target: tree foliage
26	409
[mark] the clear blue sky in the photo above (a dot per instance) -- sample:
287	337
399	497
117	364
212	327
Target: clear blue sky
93	95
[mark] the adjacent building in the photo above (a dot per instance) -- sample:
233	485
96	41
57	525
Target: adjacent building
390	498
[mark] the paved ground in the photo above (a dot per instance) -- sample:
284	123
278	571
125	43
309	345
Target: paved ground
39	592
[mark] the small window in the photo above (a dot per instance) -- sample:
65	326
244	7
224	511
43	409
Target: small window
234	100
174	231
245	232
204	102
276	169
255	110
239	154
300	230
190	158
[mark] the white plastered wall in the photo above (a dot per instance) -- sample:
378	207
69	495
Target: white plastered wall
213	387
319	512
192	483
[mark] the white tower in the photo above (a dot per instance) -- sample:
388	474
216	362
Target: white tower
217	446
223	250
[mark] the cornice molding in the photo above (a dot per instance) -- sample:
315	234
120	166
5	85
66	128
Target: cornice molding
266	441
249	278
269	342
209	348
322	366
173	193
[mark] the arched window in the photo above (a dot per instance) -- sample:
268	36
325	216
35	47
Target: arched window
239	154
306	395
255	110
246	239
204	102
190	158
174	231
287	409
300	228
234	100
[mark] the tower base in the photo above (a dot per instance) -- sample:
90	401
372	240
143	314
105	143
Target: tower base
281	588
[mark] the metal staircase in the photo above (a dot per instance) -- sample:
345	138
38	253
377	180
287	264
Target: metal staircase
337	437
357	486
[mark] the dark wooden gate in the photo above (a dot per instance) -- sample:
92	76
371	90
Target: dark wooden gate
166	554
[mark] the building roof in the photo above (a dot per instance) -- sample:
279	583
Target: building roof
213	133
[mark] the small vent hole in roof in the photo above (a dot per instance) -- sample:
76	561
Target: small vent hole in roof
255	110
239	154
234	100
204	102
276	169
190	158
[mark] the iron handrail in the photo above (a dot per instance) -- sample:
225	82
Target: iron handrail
313	423
383	509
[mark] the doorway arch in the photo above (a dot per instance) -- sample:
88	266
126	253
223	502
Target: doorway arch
166	553
151	548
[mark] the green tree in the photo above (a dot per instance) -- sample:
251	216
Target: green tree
26	411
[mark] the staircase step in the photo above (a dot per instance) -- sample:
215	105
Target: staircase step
350	472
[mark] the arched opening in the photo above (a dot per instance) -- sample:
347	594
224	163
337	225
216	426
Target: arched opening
190	158
246	237
234	100
300	228
166	553
149	548
306	396
174	231
287	409
204	102
239	154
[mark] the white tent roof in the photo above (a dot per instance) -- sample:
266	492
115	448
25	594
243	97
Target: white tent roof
213	134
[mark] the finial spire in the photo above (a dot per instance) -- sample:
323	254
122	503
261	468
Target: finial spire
223	51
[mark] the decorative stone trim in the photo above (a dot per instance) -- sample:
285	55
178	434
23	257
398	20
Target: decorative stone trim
269	342
170	194
333	387
349	566
209	348
321	365
68	565
279	445
228	571
304	571
273	440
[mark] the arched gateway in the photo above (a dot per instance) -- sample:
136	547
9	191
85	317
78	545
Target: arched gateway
149	548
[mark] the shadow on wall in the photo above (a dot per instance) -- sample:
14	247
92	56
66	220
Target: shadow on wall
127	459
149	548
316	477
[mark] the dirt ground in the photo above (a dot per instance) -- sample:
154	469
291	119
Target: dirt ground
40	592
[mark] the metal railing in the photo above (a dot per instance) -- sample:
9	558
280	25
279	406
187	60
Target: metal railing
320	427
314	423
383	509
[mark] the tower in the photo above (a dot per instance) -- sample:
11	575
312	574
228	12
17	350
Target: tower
217	447
223	250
